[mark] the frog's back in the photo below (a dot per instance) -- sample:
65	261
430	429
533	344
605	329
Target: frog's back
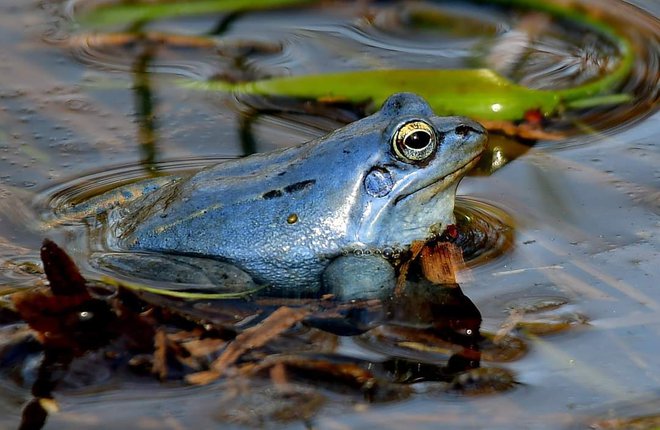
280	217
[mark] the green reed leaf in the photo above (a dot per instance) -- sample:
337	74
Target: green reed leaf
128	13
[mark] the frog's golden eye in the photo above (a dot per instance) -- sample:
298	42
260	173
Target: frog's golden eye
414	142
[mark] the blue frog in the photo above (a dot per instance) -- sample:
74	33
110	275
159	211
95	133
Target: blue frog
298	219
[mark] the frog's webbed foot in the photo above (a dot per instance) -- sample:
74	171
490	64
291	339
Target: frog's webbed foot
177	272
352	277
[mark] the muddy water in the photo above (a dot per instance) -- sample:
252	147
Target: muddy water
571	227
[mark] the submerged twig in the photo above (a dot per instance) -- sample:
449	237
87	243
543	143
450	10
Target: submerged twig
254	337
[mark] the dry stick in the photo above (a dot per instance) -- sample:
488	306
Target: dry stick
160	355
118	39
254	337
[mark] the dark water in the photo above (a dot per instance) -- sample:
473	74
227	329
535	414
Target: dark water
572	225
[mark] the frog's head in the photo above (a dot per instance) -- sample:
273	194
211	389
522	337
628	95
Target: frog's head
416	160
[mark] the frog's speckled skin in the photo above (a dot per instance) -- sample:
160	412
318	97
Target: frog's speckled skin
283	216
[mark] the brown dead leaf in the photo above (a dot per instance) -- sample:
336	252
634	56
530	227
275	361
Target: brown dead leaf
63	275
65	316
415	248
441	262
524	130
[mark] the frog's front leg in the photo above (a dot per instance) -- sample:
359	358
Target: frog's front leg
352	277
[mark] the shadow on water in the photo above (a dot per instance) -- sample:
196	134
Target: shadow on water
145	109
146	102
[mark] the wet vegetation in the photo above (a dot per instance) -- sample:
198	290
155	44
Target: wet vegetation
286	342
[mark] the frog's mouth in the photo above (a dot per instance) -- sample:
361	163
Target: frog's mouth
452	176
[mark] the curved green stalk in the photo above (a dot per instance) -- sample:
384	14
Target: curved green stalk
123	13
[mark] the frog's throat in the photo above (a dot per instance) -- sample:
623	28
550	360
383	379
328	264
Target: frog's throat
449	178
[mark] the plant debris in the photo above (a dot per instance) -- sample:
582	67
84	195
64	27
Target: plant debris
522	130
81	324
254	337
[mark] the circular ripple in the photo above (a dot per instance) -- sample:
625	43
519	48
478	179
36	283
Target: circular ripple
535	51
129	53
56	198
485	231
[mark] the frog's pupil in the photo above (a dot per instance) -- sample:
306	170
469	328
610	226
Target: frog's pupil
418	140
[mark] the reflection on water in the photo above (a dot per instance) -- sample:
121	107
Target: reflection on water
555	326
144	109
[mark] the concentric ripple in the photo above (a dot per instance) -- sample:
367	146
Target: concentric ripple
54	201
534	50
485	231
